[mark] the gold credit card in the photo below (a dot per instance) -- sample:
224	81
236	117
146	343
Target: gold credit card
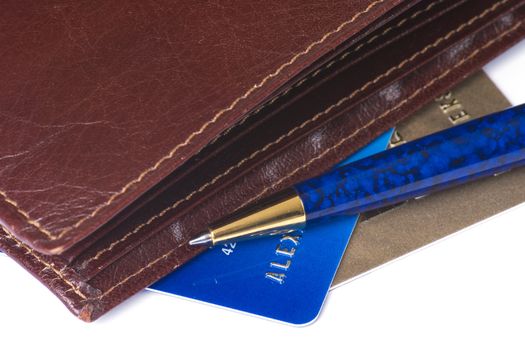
388	234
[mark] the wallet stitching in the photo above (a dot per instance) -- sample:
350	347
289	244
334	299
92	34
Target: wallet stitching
341	58
165	256
380	117
417	92
214	180
45	264
24	213
172	153
292	131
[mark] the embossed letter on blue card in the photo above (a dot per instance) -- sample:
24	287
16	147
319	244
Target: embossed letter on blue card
285	278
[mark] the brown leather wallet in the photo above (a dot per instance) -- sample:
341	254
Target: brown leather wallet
127	127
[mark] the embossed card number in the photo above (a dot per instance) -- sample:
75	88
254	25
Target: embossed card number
228	248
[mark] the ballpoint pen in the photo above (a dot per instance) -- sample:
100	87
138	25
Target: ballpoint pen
486	146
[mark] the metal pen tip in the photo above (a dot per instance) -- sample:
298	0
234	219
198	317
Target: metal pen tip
202	239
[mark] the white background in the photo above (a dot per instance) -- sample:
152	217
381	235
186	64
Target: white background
466	291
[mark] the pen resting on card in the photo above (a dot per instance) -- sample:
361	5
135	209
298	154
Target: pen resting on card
481	147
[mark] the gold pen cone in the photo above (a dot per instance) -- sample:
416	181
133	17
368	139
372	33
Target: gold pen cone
280	213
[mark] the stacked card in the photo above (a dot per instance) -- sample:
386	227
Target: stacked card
285	278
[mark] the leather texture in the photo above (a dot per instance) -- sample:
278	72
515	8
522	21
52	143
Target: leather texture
125	132
126	94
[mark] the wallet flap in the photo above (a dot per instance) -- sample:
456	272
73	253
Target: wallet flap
101	100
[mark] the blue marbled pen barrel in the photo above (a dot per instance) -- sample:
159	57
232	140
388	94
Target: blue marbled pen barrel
478	148
481	147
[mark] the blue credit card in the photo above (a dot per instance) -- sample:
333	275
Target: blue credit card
285	278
